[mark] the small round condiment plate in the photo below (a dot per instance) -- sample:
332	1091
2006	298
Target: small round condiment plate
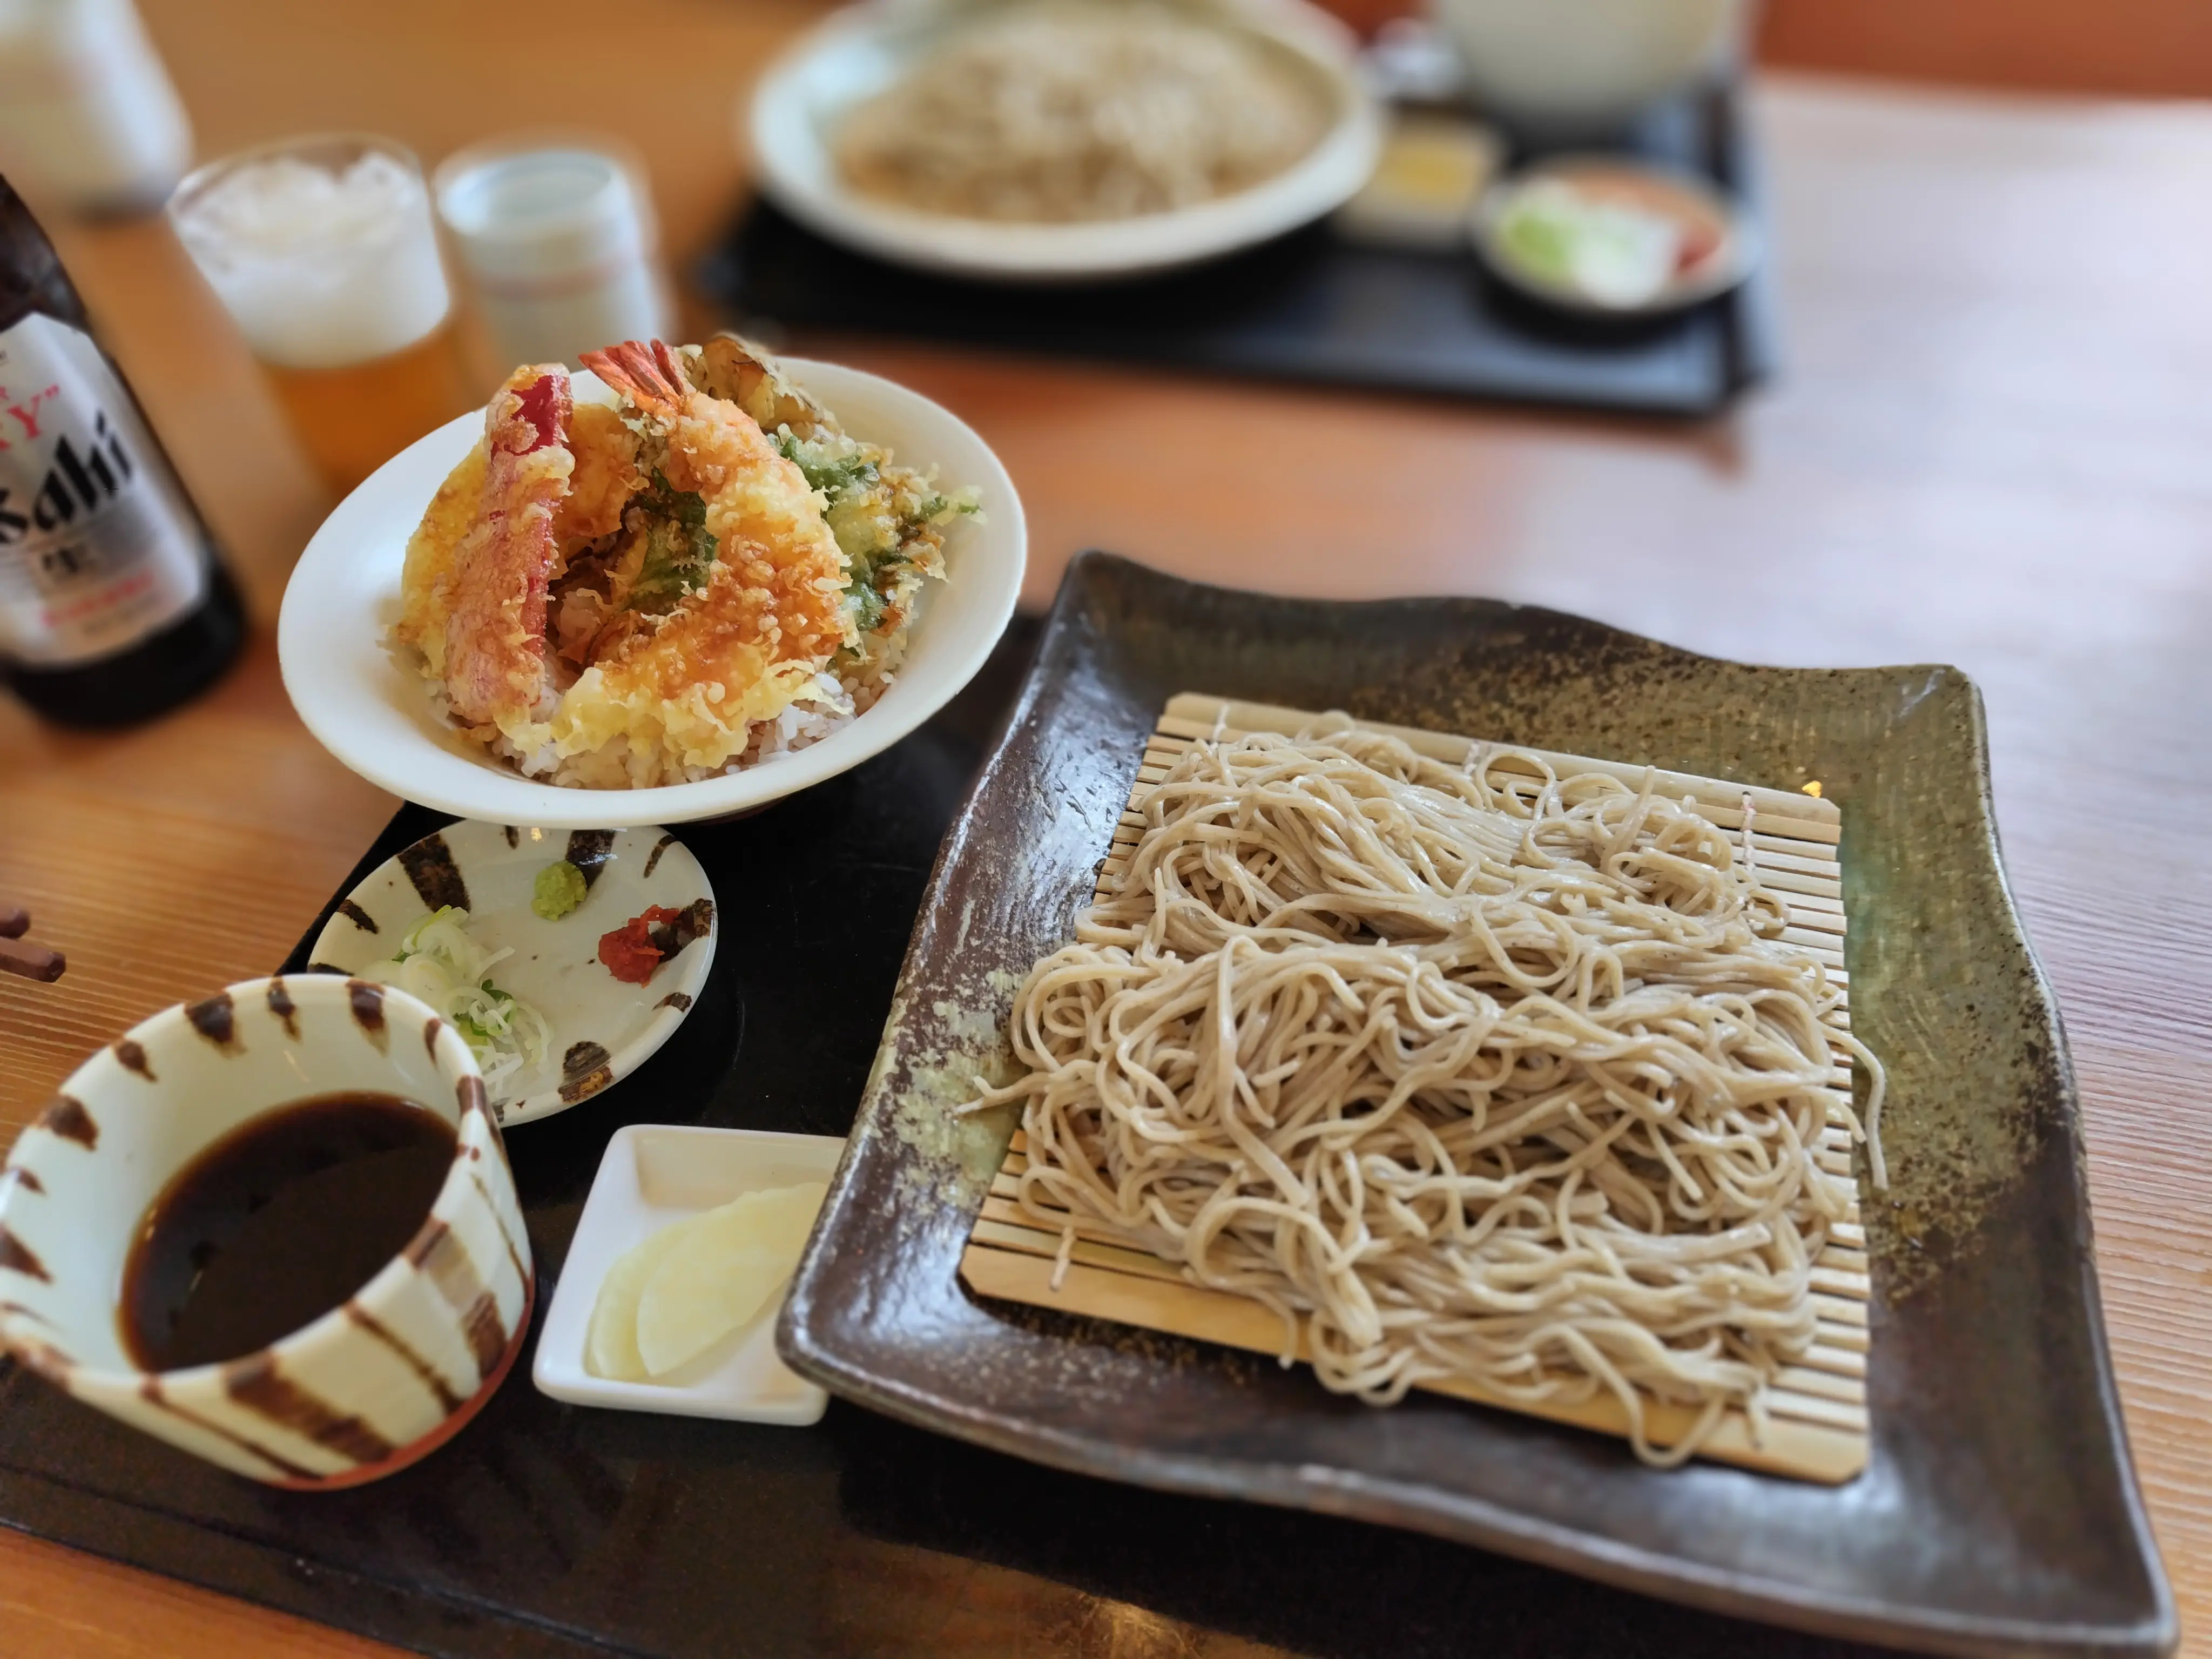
603	1027
1725	246
860	51
372	709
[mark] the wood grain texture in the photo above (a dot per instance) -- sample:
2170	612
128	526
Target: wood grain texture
64	1604
1988	446
2141	48
2148	48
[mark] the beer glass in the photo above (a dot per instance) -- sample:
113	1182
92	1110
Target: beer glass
323	251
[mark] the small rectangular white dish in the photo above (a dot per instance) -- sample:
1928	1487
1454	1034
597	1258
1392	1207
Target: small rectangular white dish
653	1175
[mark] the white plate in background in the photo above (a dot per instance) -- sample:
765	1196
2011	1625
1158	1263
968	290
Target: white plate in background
858	51
374	711
602	1029
652	1176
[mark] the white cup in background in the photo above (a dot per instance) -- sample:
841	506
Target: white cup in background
1581	69
557	237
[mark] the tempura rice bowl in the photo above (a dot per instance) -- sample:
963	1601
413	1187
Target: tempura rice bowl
367	706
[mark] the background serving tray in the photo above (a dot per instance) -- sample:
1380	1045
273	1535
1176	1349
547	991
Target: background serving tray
1313	305
551	1529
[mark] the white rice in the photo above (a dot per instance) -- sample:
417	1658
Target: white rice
837	697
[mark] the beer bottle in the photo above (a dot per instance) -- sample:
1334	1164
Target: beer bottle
113	605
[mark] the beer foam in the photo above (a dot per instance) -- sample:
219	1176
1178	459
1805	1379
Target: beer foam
319	266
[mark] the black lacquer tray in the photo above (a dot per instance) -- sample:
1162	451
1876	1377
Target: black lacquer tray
1312	307
551	1529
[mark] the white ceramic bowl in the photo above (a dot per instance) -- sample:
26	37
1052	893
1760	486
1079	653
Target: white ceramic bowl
1577	68
371	710
858	52
369	1386
602	1029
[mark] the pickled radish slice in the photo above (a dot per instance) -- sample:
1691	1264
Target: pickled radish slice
670	1297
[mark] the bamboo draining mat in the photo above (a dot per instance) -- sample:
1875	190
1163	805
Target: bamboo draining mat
1818	1416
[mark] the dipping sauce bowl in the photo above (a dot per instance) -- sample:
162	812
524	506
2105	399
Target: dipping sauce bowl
379	1380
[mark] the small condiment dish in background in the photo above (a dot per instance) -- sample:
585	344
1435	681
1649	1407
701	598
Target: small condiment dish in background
1670	239
603	1027
652	1176
381	1380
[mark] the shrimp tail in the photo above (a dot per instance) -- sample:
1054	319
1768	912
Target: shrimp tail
649	375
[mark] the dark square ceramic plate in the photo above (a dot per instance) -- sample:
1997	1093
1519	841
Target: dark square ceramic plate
1999	1514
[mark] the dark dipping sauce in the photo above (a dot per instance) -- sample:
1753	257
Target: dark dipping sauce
277	1223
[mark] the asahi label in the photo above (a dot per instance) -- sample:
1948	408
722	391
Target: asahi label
97	548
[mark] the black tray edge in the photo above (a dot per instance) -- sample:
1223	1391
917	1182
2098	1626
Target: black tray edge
1750	313
154	1540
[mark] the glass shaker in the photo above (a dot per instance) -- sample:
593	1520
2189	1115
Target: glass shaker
557	237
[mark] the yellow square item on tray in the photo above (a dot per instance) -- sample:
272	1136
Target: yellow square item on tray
1433	170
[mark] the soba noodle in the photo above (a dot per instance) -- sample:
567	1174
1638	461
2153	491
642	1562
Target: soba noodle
1464	1074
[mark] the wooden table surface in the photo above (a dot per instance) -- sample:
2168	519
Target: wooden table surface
1992	444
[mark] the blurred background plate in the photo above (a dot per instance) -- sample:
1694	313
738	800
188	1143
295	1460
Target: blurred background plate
861	50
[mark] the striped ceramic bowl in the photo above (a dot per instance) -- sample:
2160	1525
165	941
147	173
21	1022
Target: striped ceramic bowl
369	1386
